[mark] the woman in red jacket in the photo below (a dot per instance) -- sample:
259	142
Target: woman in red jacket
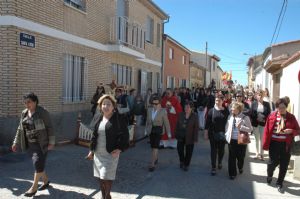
280	129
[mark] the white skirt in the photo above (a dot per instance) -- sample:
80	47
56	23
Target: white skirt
105	166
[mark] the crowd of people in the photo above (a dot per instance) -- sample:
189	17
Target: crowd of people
172	119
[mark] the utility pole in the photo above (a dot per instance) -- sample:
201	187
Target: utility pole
206	59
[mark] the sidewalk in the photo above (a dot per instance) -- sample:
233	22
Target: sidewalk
72	176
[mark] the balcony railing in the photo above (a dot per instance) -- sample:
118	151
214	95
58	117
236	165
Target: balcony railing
127	32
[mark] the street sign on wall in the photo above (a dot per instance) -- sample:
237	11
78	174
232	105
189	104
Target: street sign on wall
27	40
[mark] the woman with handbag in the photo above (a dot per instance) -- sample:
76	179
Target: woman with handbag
215	132
280	129
35	134
110	137
186	133
259	112
238	127
157	118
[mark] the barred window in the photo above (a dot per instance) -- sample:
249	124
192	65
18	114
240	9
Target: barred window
150	29
122	74
75	79
170	82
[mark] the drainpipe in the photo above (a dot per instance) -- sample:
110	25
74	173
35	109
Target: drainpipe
163	55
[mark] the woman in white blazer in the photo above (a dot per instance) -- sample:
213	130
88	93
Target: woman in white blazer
236	122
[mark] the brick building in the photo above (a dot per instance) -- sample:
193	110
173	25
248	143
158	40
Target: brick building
176	69
62	50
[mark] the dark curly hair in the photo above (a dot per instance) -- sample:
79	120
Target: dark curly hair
32	97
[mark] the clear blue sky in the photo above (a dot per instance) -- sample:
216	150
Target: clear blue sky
231	27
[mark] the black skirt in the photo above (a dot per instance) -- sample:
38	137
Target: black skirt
38	157
155	140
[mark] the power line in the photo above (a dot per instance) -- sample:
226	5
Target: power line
281	20
278	21
224	54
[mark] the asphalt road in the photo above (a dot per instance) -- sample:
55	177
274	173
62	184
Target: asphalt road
71	176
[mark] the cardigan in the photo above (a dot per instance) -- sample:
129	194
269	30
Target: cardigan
290	123
191	129
245	126
116	131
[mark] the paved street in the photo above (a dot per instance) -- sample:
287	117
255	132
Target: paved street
72	176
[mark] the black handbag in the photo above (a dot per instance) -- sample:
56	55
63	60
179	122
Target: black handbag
158	130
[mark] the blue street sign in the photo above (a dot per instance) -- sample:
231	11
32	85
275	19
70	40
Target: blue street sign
27	40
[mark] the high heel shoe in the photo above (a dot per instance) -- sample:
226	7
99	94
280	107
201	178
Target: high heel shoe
44	186
29	194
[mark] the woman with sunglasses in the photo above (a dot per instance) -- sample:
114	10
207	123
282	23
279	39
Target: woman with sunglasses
157	120
240	98
35	134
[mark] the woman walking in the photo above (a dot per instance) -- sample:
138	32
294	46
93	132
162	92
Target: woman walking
109	139
157	118
280	129
201	107
259	113
186	133
35	134
99	92
237	122
215	132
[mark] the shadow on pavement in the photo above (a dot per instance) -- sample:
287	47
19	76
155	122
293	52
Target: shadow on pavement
289	187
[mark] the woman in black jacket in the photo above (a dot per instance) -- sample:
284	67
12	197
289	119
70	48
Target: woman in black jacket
215	132
259	112
186	133
110	138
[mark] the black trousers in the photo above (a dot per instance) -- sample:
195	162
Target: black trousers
185	152
278	155
236	157
216	149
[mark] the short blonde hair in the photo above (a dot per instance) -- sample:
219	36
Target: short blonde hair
109	97
239	106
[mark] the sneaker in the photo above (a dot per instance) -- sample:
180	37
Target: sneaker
269	180
213	172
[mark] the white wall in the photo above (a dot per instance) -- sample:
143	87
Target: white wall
290	86
259	79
